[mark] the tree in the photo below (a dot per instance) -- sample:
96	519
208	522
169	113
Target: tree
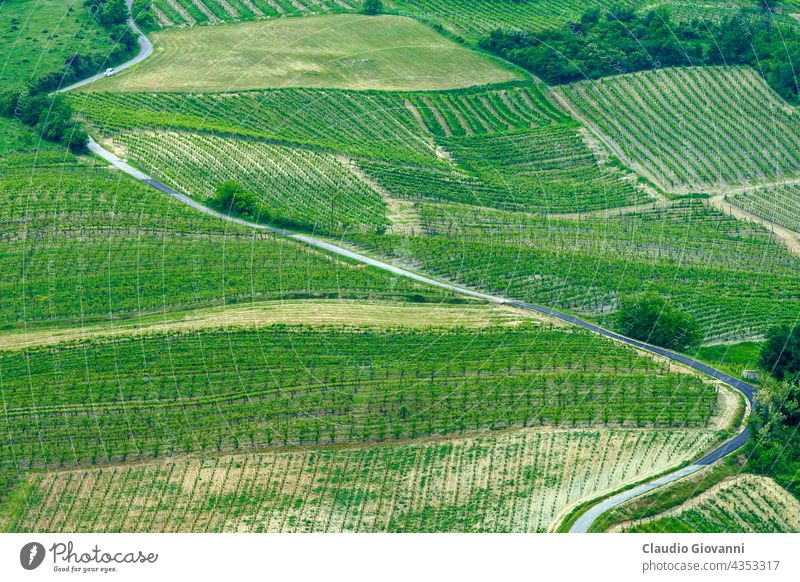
373	7
232	198
651	318
781	354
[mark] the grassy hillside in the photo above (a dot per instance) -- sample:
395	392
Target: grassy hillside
694	129
36	37
350	51
743	504
508	482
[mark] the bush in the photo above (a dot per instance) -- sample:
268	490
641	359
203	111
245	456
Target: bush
781	354
649	317
373	7
233	199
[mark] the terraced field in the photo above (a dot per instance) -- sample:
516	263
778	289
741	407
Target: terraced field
510	482
474	19
694	129
350	51
171	13
744	504
505	146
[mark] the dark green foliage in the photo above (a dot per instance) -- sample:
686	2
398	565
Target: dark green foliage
781	354
622	41
649	317
51	116
775	421
233	199
373	7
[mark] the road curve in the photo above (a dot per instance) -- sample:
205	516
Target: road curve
145	50
584	522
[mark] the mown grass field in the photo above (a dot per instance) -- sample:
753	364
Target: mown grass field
521	481
350	51
743	504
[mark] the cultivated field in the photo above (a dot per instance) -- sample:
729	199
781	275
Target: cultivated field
170	13
694	129
778	204
342	51
745	503
731	275
516	481
297	187
87	243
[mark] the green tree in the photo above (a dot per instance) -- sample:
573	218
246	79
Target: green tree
231	197
781	354
373	7
651	318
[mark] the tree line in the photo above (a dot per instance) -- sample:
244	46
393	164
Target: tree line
621	40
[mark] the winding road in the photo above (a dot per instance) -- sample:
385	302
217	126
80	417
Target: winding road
584	522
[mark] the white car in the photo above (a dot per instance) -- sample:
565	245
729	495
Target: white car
109	72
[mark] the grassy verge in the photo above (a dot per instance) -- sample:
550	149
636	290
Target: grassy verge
666	498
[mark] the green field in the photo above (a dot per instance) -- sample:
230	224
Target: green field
341	51
696	129
743	504
36	36
170	13
526	482
99	245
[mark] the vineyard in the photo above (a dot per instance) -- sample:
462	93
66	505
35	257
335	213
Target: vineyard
508	482
731	275
348	51
776	204
382	125
694	129
83	242
743	504
170	13
130	398
293	186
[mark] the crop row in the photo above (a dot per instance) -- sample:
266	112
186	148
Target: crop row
193	12
292	185
147	396
777	204
695	128
546	169
82	242
744	504
522	481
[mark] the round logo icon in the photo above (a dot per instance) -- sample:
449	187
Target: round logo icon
31	555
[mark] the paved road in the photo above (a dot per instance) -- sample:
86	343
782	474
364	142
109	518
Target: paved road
145	50
585	521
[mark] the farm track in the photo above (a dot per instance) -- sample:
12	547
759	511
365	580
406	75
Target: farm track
789	238
584	522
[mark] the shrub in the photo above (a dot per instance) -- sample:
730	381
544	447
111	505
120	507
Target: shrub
373	7
781	354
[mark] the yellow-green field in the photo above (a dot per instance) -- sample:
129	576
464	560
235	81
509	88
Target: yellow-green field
338	51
